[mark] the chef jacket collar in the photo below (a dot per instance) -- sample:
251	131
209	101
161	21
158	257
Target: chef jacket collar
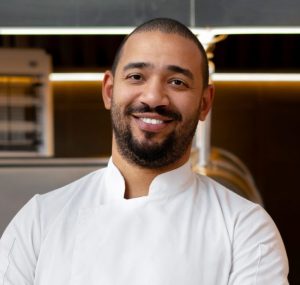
165	184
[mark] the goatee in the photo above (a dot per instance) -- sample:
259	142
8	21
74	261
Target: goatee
146	153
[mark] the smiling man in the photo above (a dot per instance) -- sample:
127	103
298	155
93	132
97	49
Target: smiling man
157	92
147	219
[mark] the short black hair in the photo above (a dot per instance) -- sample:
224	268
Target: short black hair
169	26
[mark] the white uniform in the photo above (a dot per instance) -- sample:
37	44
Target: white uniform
189	230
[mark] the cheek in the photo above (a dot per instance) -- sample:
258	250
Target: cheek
187	106
123	95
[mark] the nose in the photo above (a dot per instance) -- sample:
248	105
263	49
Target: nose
154	94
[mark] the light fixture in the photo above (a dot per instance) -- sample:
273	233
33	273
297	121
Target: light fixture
64	31
256	77
126	30
217	77
76	76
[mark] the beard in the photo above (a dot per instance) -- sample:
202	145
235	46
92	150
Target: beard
146	153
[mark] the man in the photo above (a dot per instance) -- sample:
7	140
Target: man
147	218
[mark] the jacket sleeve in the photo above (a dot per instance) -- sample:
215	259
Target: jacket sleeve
19	246
259	256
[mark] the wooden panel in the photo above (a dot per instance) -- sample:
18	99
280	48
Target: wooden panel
82	125
260	123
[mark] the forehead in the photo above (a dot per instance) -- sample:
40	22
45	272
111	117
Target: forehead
161	49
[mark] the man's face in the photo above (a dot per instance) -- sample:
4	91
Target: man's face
155	98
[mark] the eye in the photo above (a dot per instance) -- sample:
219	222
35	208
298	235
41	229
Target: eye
178	83
134	77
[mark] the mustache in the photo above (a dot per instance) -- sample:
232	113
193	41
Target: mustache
160	110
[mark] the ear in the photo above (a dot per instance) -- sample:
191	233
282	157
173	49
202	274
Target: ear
107	89
206	101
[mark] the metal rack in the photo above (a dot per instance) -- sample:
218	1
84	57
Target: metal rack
26	127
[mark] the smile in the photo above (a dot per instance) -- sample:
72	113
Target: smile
152	121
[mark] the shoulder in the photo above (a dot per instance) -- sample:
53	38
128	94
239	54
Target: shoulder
41	210
218	196
236	210
244	220
258	252
70	198
69	193
21	241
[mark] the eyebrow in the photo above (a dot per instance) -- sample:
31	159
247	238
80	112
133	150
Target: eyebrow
132	65
181	70
173	68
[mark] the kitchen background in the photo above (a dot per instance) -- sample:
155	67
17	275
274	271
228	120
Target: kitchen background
258	121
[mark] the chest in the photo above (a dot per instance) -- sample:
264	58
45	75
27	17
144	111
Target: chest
140	245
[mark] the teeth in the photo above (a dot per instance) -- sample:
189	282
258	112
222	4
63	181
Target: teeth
152	121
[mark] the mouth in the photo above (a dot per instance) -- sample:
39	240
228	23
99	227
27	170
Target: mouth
151	122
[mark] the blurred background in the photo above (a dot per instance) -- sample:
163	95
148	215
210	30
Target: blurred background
54	128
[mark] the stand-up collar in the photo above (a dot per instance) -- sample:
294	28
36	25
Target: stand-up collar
165	184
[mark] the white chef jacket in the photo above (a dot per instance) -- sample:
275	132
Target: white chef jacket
189	230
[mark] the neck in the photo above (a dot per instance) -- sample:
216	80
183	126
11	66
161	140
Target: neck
138	179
